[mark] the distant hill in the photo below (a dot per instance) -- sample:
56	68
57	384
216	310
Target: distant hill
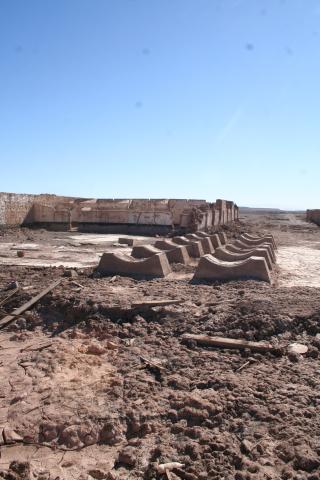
248	210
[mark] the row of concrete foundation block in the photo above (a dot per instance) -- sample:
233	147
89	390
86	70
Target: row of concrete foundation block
247	257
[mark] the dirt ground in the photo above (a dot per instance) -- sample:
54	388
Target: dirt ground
92	387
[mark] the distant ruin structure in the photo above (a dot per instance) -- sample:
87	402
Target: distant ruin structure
130	216
313	216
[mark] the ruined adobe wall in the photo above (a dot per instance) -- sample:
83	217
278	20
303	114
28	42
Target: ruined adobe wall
15	208
18	208
314	216
149	215
113	215
188	215
128	215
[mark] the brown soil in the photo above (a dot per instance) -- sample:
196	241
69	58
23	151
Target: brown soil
92	388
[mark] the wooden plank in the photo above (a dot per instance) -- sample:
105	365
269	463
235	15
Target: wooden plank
227	342
13	292
155	303
18	311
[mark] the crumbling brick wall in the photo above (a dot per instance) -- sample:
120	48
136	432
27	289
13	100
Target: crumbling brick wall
17	208
314	216
50	211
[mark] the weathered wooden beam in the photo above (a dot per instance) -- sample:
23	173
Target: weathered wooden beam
13	292
227	342
18	311
155	303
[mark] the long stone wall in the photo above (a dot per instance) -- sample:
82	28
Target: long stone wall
148	216
314	216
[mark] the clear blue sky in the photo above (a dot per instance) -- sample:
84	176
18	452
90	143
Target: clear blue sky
162	98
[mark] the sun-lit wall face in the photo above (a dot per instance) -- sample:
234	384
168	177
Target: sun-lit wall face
17	209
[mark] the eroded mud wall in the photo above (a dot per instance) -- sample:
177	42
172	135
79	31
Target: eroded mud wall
314	216
145	216
15	208
19	208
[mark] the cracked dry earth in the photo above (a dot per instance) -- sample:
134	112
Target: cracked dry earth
93	388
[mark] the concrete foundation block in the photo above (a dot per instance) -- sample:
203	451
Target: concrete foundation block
251	243
215	240
199	233
194	248
265	238
174	255
127	241
205	242
244	247
165	244
116	263
223	238
144	251
211	268
255	243
223	254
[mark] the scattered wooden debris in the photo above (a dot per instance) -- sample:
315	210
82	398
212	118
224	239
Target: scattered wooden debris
227	342
156	303
163	467
113	279
151	364
18	311
168	474
244	365
111	345
11	294
28	287
76	284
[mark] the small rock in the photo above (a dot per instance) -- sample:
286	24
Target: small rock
246	446
44	475
12	285
127	456
294	357
21	323
94	348
10	436
162	467
20	468
297	348
111	345
98	474
18	398
305	459
313	352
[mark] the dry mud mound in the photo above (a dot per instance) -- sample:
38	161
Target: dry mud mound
94	388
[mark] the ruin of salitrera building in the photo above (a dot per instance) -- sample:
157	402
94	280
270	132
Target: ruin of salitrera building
130	216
